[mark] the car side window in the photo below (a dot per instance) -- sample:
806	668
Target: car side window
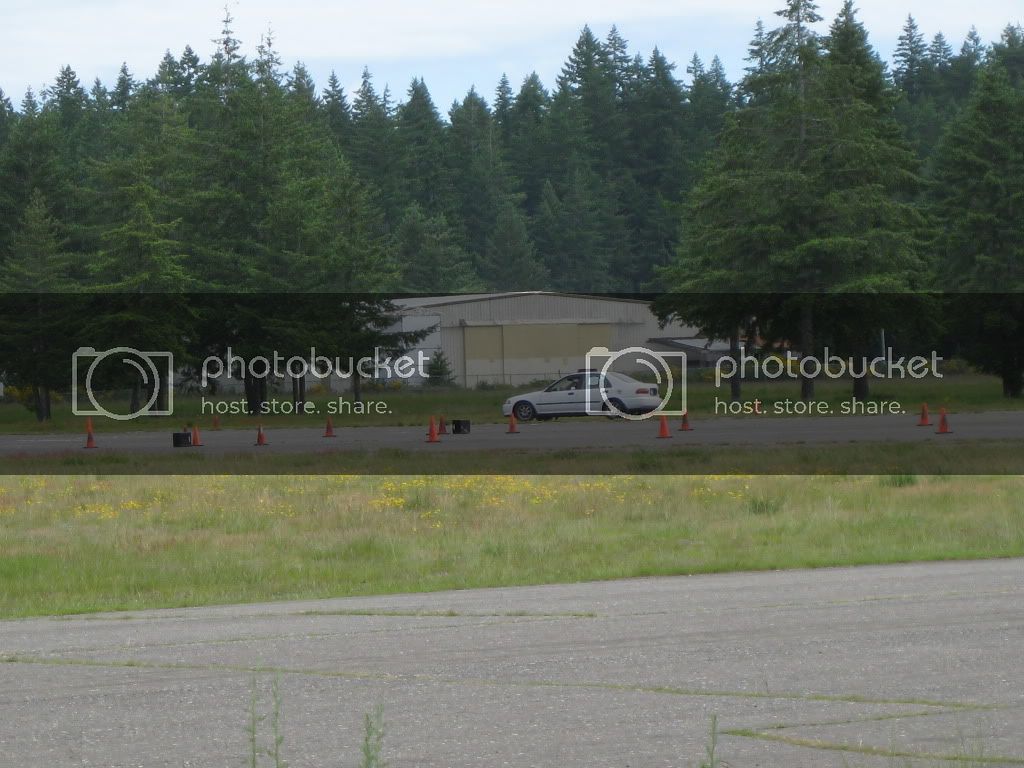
567	384
559	386
594	381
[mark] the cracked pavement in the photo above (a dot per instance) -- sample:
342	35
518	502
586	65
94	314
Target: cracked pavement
843	667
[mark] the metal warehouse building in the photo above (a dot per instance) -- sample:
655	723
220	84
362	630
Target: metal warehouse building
516	338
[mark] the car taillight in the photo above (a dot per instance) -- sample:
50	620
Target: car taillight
647	392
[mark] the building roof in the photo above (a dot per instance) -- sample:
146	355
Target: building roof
466	298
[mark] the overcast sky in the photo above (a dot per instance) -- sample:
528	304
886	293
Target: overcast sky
451	43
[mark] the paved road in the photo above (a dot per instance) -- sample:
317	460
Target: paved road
797	666
558	435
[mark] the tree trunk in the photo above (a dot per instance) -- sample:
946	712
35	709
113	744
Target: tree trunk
1013	383
861	384
806	347
136	401
252	400
37	403
163	393
861	388
47	404
736	382
357	388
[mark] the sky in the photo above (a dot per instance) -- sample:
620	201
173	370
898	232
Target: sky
452	44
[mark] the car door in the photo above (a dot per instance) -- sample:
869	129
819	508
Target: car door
564	398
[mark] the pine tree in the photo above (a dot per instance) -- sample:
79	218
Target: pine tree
979	183
6	118
806	192
168	74
66	98
476	168
910	56
337	110
34	326
529	148
503	102
709	100
873	240
940	54
574	233
123	89
189	66
621	67
38	263
512	263
979	175
7	122
433	261
139	253
373	149
227	69
661	153
301	87
964	67
1009	52
759	63
587	106
28	162
420	135
854	69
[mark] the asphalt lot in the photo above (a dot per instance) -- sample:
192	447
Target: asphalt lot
825	668
555	435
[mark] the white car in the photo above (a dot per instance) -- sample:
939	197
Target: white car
568	397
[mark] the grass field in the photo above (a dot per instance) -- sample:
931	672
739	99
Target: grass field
961	457
960	393
81	544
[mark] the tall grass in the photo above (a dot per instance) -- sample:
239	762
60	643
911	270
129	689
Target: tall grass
80	544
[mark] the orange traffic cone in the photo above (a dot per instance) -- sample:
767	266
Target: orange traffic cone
432	433
216	423
686	423
90	439
666	433
944	424
261	438
197	440
443	429
329	432
513	425
926	417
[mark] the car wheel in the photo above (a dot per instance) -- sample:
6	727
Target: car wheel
524	411
618	404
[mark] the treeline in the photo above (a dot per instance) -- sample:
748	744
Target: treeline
837	197
822	171
232	173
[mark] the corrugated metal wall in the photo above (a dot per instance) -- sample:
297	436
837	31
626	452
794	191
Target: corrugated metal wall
514	339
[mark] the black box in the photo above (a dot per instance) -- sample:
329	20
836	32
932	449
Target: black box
460	427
